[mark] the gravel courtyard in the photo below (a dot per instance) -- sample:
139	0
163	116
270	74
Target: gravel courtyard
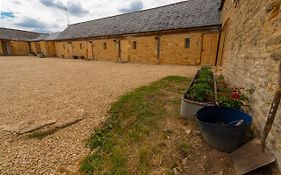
70	95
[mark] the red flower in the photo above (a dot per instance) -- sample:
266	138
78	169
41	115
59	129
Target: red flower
235	94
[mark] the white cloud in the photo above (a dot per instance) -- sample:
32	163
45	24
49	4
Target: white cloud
50	16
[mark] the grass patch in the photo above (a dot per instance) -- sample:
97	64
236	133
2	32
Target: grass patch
132	140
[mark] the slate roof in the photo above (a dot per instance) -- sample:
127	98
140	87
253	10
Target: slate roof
52	36
13	34
39	38
186	14
46	37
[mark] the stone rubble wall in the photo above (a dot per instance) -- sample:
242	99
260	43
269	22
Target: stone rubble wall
251	56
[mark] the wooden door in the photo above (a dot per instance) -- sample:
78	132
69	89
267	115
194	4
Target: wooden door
124	48
90	50
69	50
209	49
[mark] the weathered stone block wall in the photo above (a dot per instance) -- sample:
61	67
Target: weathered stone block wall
251	55
50	47
36	47
145	50
59	49
33	47
172	48
19	48
43	48
105	53
173	51
79	48
63	49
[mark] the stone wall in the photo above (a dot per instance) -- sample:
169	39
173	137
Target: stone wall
105	49
79	48
19	48
142	48
173	49
251	55
34	47
144	51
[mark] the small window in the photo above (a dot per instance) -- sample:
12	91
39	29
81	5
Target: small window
104	46
63	46
134	45
187	43
81	46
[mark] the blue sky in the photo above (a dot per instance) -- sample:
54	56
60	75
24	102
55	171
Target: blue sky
50	15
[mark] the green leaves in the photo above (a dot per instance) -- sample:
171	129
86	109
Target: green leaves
202	90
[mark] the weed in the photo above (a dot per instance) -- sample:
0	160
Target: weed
91	164
185	148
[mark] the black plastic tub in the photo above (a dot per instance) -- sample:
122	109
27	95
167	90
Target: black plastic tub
218	127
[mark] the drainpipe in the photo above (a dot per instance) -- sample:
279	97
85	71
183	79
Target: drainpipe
158	47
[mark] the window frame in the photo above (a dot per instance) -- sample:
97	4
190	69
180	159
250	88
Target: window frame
187	42
134	44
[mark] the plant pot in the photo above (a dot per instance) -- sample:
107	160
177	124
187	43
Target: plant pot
217	126
189	108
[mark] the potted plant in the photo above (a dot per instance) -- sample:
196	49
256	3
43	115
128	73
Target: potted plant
230	97
200	92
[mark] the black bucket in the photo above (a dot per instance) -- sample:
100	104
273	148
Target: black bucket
218	127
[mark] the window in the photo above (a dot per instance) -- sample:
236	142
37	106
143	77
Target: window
187	43
134	45
63	46
104	46
81	46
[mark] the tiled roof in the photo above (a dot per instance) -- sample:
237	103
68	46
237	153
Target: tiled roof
187	14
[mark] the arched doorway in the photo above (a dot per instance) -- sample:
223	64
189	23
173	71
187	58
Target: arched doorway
223	40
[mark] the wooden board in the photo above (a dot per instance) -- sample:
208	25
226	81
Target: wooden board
209	49
124	50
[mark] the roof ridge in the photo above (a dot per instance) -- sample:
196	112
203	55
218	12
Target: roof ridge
131	12
23	30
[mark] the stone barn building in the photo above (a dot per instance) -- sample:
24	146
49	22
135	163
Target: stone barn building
44	44
182	33
20	43
15	42
243	36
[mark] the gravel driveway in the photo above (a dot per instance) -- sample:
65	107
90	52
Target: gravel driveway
49	91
